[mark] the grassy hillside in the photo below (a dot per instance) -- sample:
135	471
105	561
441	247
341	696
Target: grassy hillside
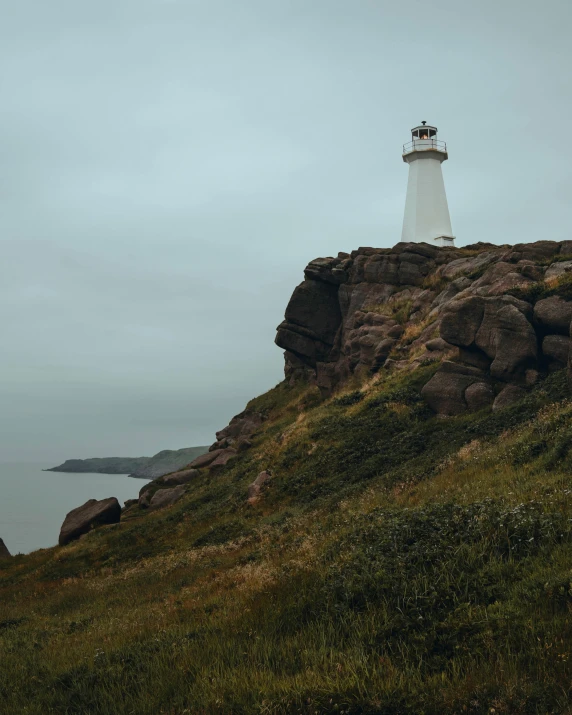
397	563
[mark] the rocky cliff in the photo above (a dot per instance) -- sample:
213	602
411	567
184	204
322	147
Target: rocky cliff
497	317
348	552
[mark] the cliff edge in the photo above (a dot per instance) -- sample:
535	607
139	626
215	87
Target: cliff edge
496	317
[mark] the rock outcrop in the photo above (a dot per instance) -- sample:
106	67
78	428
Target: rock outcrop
166	497
255	488
165	483
4	553
493	316
87	517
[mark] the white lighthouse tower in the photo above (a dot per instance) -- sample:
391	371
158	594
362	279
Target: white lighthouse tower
426	211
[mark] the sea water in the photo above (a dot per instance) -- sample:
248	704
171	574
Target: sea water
33	503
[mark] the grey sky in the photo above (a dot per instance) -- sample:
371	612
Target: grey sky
167	168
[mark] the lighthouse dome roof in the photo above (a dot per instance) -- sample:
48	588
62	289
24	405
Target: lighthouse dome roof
424	131
425	126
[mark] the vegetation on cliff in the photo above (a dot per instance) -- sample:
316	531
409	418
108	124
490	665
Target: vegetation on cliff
387	531
396	563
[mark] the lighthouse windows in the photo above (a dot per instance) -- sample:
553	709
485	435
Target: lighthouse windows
424	133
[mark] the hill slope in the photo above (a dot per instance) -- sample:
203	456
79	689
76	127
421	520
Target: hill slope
390	561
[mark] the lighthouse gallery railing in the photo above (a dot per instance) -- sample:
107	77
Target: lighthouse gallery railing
424	144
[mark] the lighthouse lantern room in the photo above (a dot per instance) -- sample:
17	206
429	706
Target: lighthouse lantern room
426	211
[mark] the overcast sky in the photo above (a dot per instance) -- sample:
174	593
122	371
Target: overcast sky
168	167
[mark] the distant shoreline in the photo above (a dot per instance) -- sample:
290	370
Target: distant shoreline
160	464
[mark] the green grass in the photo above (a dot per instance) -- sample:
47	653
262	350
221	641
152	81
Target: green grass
399	309
534	292
396	564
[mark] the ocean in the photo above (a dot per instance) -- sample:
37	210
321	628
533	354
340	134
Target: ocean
33	503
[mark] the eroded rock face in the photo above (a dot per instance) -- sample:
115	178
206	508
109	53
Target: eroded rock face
553	315
446	392
400	307
4	553
88	516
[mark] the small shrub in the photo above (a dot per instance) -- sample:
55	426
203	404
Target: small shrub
351	398
534	292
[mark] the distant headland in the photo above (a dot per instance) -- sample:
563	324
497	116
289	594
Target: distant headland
168	460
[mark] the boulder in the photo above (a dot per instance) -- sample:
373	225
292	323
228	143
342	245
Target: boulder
206	459
508	396
223	458
4	553
166	497
556	349
506	336
145	496
498	327
536	251
466	266
556	270
437	344
478	396
255	488
244	424
88	516
461	320
176	478
445	392
553	315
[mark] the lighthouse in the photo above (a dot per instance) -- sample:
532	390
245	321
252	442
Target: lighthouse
426	211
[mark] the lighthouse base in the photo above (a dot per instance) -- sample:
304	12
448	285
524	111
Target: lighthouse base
444	240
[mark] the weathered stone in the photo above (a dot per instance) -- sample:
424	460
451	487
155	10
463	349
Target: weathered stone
475	357
255	488
205	459
343	330
505	284
166	497
4	553
453	289
182	477
506	336
314	306
556	348
242	444
223	458
508	396
529	270
324	269
536	251
478	396
87	517
557	270
461	320
445	391
553	315
437	344
145	495
466	266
